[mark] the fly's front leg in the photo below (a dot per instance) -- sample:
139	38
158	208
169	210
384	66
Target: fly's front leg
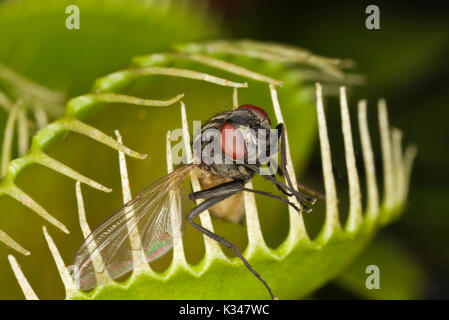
233	187
298	195
281	128
281	173
209	203
226	188
267	194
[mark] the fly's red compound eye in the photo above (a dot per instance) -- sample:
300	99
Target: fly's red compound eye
232	142
256	109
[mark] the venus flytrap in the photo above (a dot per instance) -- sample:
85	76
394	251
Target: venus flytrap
387	158
69	123
136	242
28	292
120	78
8	136
372	207
12	244
179	258
255	238
332	222
166	58
39	98
268	52
75	109
212	248
355	205
66	278
332	234
297	266
98	264
297	228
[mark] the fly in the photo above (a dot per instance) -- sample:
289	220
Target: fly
223	177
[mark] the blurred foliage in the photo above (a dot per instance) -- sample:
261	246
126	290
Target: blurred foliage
36	42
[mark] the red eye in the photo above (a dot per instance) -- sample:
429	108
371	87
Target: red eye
232	142
256	109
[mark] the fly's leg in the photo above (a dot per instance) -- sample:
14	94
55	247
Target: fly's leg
281	173
299	196
225	188
235	186
272	196
288	194
281	127
206	205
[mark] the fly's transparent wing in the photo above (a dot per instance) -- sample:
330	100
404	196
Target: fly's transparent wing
150	215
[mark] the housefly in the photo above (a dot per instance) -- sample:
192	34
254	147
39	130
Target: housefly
223	175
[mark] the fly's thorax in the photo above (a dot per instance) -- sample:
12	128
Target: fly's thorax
233	171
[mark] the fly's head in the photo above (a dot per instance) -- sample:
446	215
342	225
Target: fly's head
236	143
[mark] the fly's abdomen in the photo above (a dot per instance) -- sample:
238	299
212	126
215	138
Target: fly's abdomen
232	208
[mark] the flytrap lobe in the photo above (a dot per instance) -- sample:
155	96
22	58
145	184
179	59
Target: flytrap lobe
298	254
